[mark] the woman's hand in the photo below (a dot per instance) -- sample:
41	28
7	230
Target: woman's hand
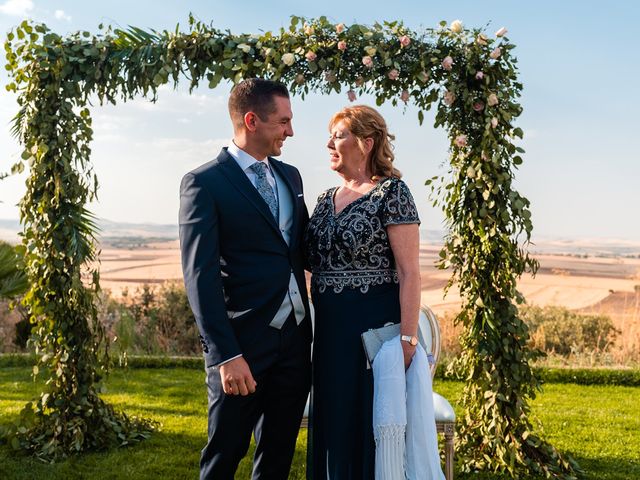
408	351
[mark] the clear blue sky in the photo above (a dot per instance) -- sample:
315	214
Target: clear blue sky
578	61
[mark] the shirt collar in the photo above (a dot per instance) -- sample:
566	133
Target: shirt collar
243	158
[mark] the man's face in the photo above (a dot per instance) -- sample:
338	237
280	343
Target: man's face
271	132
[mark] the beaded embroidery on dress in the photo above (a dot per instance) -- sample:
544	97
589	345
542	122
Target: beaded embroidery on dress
350	249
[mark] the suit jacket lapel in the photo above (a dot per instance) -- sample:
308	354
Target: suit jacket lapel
284	174
238	179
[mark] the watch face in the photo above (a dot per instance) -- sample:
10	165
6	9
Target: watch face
414	341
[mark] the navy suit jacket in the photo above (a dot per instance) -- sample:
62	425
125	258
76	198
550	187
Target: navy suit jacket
235	261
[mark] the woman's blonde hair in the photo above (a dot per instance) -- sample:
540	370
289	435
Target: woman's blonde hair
365	122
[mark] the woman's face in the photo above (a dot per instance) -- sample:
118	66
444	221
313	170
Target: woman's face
344	149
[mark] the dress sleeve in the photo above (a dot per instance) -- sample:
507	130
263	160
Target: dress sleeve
399	207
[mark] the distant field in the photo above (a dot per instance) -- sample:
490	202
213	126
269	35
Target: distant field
605	285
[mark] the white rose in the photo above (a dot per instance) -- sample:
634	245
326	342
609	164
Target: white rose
288	59
456	26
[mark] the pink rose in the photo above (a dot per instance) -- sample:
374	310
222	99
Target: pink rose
494	122
404	96
367	61
478	106
481	39
342	45
311	56
405	41
447	63
492	100
496	53
502	32
393	74
340	28
479	75
449	98
461	141
351	95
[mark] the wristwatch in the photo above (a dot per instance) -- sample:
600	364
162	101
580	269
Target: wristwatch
411	339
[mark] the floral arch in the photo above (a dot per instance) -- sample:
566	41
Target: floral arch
470	79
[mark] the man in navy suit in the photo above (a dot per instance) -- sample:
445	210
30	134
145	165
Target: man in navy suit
242	218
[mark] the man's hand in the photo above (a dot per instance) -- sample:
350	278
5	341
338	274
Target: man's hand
407	351
236	377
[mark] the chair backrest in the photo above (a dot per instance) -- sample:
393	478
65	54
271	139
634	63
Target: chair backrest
429	331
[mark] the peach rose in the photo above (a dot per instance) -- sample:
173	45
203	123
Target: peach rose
367	61
481	39
492	100
342	45
299	79
309	30
494	122
447	63
449	97
311	56
340	28
496	53
461	141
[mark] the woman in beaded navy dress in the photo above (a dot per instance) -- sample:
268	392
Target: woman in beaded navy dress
362	244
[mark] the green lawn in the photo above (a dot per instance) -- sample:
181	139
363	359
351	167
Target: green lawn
598	425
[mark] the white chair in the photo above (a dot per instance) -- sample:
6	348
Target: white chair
429	331
444	413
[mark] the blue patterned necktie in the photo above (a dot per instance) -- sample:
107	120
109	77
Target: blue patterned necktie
263	187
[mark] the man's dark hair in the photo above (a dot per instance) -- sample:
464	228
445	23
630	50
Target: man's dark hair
254	95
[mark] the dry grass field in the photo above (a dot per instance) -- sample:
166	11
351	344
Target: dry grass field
609	286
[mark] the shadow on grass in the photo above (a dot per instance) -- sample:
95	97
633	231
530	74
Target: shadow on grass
163	455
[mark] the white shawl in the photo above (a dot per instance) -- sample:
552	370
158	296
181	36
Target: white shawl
403	417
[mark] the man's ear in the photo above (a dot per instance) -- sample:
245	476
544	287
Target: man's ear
250	121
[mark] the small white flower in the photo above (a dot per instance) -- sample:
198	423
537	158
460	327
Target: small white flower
288	59
456	26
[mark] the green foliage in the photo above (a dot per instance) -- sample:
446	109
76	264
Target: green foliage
13	281
154	320
561	331
55	76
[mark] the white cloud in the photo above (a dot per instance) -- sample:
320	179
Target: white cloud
17	8
60	15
